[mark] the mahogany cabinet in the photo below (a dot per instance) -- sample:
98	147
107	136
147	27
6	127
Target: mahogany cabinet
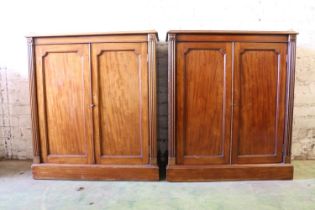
93	100
230	105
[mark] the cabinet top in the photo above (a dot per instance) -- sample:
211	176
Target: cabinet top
222	32
96	34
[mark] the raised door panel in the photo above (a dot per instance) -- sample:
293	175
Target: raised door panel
63	84
259	102
120	96
203	97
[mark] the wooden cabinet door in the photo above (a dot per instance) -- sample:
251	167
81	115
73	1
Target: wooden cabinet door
259	102
63	92
120	96
203	100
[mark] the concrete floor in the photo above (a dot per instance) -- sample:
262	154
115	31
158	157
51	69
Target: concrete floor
19	191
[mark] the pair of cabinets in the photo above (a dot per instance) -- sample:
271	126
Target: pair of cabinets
93	101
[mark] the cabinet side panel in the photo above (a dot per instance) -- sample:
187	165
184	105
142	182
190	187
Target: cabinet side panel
290	96
33	100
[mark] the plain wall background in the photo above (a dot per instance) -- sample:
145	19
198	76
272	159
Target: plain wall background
20	18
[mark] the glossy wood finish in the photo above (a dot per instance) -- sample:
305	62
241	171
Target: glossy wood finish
95	172
230	32
107	37
203	100
180	173
93	107
63	80
152	117
230	105
100	34
120	97
171	98
259	102
231	36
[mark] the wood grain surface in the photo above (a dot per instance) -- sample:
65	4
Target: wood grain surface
120	90
63	100
203	100
259	98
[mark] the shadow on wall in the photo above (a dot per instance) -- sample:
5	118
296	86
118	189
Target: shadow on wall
162	74
15	124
